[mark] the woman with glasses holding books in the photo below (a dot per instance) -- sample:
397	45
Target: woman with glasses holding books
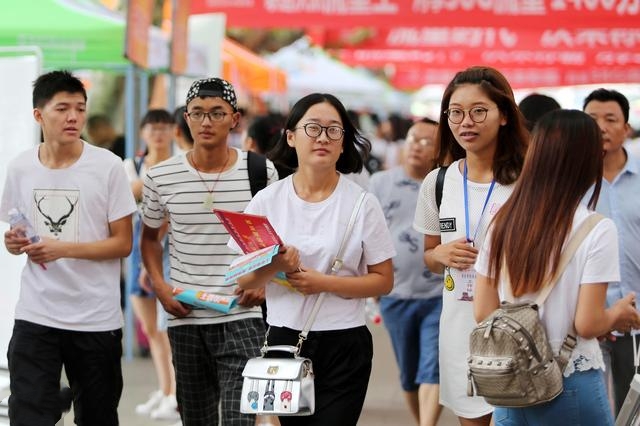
486	141
310	211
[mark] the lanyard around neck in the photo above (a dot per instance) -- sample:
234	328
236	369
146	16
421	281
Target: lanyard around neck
466	204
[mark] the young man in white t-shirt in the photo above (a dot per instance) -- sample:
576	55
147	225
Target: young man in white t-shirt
209	348
68	314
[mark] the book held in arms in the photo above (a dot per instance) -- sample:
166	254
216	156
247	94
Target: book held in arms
256	238
201	299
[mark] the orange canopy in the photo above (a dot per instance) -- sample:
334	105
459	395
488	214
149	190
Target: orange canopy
249	71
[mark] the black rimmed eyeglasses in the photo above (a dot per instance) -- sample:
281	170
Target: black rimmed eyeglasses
314	130
213	115
477	114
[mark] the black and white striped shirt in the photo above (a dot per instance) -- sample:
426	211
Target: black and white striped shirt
198	241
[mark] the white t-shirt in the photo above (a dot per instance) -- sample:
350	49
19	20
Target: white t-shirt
133	175
457	320
130	168
73	204
198	250
595	261
316	229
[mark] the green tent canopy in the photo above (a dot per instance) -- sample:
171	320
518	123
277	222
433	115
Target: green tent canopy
73	34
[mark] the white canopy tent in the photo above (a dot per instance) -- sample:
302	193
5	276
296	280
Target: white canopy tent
310	69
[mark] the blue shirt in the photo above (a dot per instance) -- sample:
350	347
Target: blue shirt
398	196
620	201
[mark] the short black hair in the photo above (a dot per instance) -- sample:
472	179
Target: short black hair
157	116
536	105
98	120
181	122
605	95
265	130
50	84
426	120
356	147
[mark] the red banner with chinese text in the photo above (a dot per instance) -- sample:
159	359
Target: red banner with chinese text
410	54
395	13
411	78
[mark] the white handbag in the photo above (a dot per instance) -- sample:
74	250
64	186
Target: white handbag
280	386
284	386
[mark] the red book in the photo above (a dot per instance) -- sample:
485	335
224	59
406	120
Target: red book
251	232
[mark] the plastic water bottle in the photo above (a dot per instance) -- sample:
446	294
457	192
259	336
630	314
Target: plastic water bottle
21	224
19	221
372	309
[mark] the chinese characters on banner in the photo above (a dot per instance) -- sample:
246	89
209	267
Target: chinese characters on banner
417	42
394	13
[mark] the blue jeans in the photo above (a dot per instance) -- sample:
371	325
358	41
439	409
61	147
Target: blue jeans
582	402
414	326
136	256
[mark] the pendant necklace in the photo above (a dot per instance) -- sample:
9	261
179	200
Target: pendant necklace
208	201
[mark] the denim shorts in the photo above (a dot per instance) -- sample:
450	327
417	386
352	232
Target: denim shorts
582	402
413	325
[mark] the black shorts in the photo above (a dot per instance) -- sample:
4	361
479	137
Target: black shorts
341	365
91	360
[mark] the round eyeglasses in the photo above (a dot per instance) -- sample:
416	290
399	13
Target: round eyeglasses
476	114
212	115
314	130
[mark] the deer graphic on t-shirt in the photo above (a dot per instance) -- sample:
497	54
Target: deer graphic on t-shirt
55	226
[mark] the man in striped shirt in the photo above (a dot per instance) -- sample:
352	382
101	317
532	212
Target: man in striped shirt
209	348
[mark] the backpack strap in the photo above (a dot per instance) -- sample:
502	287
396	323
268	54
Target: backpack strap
137	163
442	171
257	168
567	254
572	246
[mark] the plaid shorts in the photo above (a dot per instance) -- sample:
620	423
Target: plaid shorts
208	361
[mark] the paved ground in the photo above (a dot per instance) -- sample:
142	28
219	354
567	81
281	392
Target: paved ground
384	405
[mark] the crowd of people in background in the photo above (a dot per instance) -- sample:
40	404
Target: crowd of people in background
437	239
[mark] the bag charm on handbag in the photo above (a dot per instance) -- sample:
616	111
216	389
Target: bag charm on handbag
285	396
291	378
253	395
269	395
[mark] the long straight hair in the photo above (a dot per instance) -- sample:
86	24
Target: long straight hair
513	137
564	160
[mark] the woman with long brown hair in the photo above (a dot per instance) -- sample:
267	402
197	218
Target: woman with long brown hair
528	234
486	139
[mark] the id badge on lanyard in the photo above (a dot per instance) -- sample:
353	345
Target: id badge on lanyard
463	282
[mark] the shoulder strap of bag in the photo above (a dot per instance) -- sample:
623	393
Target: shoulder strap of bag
576	239
335	267
442	171
137	163
572	246
257	169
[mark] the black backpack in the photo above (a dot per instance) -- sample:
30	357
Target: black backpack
257	168
440	185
